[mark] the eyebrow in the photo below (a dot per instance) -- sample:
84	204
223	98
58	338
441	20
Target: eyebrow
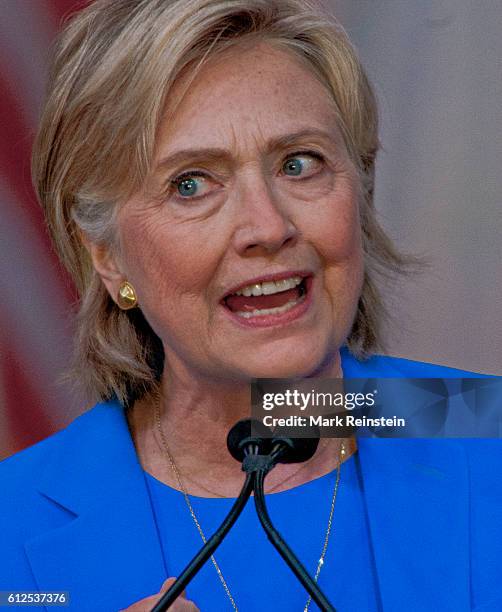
218	155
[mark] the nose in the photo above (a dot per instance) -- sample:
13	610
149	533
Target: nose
264	223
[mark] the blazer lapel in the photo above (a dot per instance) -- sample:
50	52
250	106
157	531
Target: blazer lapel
107	554
416	494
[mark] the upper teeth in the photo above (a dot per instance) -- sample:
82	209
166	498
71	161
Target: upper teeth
269	287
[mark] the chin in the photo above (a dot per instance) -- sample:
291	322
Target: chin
290	362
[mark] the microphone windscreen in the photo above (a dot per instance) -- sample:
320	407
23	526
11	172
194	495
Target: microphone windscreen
247	432
297	449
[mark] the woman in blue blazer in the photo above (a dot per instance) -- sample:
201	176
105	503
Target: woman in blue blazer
206	169
76	514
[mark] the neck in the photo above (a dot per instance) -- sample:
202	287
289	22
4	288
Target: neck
195	417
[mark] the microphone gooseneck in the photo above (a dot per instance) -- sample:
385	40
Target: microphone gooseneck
241	444
258	450
288	447
207	550
286	553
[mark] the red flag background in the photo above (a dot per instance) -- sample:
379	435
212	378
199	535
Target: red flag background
36	294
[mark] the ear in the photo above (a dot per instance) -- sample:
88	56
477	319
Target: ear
106	263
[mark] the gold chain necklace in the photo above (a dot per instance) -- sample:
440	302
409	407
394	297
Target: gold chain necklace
177	474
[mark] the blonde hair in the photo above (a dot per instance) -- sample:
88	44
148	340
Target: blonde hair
114	67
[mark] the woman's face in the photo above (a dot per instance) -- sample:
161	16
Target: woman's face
253	184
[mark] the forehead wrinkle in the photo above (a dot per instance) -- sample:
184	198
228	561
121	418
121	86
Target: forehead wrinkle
271	145
251	140
234	140
227	145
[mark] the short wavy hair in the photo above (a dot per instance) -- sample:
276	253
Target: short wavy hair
114	66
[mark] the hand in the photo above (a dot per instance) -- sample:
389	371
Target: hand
180	605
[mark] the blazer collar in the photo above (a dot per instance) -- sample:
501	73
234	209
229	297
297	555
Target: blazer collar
94	474
416	495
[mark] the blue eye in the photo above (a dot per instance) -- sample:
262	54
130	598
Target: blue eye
293	166
187	187
191	185
302	164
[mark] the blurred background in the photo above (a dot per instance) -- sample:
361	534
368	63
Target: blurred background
437	69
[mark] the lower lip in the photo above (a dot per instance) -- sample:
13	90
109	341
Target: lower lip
274	320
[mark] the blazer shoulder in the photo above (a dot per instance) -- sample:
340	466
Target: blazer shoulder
25	511
21	473
24	467
423	369
27	464
389	367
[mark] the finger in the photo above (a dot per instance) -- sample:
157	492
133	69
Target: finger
182	604
167	584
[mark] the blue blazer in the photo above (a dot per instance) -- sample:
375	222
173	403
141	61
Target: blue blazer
75	514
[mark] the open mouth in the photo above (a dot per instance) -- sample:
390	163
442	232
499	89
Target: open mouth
274	297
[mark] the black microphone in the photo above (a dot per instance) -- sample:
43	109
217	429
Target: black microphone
296	449
242	443
255	446
248	436
288	447
246	441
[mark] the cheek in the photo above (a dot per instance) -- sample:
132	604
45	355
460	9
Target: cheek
341	243
168	263
333	227
337	237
